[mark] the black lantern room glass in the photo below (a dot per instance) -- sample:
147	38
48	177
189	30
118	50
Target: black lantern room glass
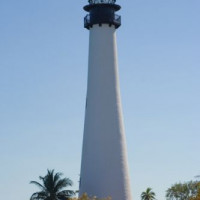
102	12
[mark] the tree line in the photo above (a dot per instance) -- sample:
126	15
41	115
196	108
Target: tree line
52	187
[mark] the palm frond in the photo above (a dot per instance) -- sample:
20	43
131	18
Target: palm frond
41	178
39	196
48	181
65	194
63	183
57	176
38	184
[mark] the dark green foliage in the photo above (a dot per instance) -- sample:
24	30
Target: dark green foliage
148	194
183	191
52	187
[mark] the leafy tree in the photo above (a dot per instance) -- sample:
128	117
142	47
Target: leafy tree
197	197
52	187
148	194
183	191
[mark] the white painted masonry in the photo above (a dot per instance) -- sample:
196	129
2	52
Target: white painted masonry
104	168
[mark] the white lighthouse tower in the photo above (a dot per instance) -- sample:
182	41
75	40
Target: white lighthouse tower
104	167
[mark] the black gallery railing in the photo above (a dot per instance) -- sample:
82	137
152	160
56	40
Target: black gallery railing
116	21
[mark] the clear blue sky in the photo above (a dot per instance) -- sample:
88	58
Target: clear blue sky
43	74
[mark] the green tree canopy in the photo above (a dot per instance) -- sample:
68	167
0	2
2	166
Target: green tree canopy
52	186
183	191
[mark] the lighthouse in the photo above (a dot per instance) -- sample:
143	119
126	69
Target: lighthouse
104	165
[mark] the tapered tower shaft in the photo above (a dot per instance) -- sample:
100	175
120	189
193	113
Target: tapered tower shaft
104	169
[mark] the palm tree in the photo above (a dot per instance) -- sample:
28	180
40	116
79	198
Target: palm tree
52	187
148	194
